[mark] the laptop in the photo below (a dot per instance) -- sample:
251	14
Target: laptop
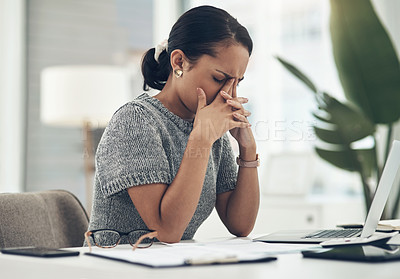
388	178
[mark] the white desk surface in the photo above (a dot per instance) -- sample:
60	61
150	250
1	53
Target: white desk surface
287	266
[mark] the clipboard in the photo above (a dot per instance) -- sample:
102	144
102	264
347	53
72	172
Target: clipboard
191	262
189	254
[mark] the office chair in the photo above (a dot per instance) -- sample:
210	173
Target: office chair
52	219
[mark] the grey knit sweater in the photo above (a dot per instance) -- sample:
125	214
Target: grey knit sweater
144	143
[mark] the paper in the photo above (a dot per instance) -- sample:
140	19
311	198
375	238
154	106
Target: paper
178	254
247	247
389	224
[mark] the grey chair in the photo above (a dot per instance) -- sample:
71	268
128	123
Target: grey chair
52	219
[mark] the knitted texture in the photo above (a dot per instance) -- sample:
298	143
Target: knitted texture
144	143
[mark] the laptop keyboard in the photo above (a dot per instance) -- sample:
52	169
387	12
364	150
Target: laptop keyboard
342	233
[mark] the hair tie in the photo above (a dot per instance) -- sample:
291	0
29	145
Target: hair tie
160	48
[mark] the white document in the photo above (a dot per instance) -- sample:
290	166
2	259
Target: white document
234	250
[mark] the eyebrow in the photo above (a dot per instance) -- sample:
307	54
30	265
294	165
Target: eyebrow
227	76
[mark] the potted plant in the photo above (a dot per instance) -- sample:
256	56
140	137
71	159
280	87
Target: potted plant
369	72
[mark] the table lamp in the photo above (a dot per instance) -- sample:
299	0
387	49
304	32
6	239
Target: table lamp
83	96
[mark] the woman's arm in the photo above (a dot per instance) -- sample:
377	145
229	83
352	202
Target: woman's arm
238	208
169	209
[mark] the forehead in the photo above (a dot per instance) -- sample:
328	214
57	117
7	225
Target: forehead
231	60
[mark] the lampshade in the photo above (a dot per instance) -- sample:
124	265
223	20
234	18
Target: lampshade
72	95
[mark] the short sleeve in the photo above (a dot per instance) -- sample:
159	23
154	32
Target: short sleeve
131	152
227	171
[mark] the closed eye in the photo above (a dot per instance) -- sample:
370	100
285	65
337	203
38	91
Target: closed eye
219	80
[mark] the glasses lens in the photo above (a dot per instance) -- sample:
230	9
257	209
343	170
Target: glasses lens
106	238
135	235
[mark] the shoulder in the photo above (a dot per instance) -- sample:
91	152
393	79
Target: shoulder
132	114
132	122
134	110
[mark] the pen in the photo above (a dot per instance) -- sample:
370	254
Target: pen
212	260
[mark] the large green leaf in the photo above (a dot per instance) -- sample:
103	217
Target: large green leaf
354	160
350	159
291	68
366	60
340	125
346	124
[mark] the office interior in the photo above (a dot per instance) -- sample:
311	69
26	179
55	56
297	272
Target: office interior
298	188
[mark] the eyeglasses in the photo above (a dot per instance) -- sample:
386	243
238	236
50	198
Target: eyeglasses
106	238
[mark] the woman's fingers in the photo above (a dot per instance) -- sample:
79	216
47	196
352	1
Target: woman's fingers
240	124
242	100
240	117
226	96
246	113
201	99
236	104
240	114
227	88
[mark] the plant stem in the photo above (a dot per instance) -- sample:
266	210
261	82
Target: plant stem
388	141
360	170
387	150
396	204
378	177
386	210
366	191
395	208
377	168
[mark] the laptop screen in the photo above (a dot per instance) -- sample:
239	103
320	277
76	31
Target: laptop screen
383	190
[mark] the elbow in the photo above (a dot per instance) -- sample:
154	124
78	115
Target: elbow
169	240
169	236
243	233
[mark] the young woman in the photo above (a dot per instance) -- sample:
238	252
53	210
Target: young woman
165	162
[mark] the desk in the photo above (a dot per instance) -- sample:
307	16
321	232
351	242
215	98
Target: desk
287	266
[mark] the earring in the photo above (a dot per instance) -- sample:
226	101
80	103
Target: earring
178	73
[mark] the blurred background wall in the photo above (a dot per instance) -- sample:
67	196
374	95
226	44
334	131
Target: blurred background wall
36	34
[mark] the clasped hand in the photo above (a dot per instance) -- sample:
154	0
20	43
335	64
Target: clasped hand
224	113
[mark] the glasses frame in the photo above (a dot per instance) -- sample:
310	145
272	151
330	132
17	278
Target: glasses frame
151	235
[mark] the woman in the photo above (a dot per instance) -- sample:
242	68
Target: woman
164	162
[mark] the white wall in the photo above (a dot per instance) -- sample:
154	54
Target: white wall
12	95
74	32
165	12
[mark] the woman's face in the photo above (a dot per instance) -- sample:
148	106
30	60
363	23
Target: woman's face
211	73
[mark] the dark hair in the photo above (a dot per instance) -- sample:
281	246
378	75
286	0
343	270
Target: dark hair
197	32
